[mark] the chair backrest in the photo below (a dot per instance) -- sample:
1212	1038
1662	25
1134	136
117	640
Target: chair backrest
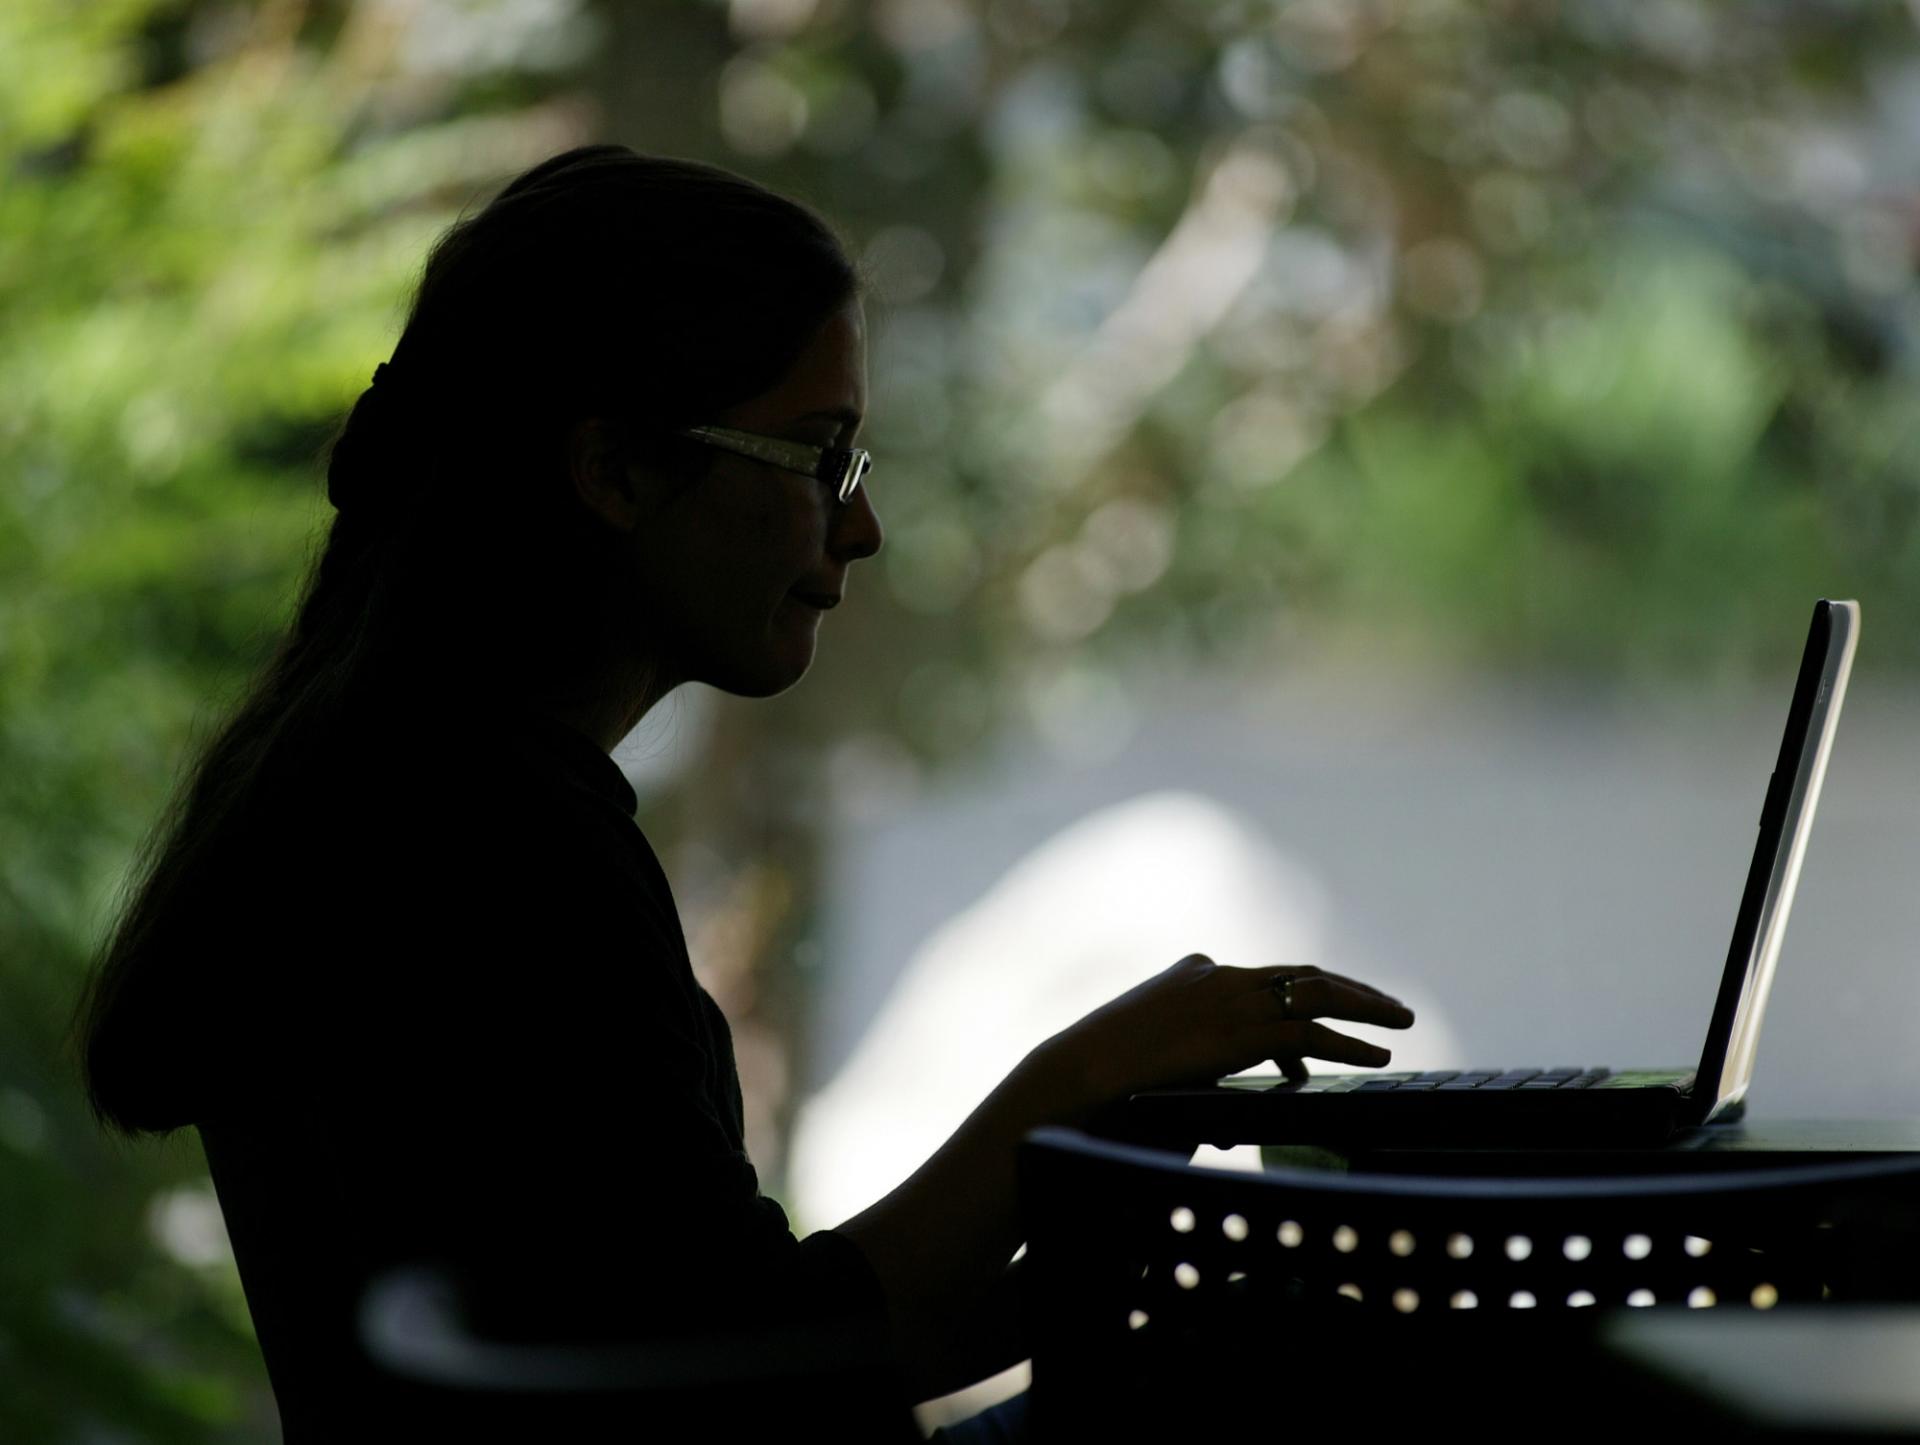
356	1349
1138	1258
835	1379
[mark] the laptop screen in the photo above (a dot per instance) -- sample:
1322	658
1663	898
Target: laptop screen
1786	819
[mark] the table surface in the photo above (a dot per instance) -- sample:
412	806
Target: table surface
1748	1144
1790	1136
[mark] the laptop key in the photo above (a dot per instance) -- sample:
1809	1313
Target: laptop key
1509	1081
1437	1076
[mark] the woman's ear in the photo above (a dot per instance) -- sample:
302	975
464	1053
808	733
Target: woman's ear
605	478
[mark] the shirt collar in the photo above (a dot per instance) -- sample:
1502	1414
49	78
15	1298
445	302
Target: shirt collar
582	757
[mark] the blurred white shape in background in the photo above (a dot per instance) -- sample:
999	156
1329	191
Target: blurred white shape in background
188	1224
1100	906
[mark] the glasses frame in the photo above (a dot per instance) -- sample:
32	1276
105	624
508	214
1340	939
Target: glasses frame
842	468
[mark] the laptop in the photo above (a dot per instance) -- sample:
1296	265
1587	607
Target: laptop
1569	1106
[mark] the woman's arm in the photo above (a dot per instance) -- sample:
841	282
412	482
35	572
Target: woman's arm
941	1242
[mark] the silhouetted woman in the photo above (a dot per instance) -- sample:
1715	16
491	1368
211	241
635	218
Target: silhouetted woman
398	946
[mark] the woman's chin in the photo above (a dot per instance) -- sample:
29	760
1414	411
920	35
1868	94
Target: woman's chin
765	676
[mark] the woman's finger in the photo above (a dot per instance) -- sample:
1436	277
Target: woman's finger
1300	972
1332	997
1261	975
1323	1043
1306	971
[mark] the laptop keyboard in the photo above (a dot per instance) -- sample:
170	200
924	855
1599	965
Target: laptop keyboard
1449	1081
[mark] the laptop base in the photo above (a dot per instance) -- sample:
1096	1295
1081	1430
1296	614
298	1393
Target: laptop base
1642	1109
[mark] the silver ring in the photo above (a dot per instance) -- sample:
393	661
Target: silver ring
1284	987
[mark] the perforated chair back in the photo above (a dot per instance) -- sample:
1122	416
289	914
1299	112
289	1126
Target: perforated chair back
1145	1266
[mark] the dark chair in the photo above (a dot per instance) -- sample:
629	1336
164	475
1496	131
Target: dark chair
1159	1290
364	1352
828	1381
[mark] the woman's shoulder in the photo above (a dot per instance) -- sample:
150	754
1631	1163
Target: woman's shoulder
509	784
492	873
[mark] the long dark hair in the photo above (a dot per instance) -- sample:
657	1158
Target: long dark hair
646	291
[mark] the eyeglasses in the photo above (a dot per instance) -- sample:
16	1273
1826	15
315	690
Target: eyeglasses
841	468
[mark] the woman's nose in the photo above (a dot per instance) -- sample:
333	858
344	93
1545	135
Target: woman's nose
856	530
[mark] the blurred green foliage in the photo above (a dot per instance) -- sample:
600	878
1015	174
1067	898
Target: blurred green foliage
207	227
1572	334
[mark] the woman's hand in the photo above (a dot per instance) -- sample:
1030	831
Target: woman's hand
1200	1020
940	1242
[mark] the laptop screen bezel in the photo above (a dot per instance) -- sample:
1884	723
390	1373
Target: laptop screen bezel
1786	821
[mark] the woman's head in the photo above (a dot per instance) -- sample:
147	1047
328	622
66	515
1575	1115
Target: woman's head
561	337
724	577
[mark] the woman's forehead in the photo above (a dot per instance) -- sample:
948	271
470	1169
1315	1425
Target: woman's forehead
827	380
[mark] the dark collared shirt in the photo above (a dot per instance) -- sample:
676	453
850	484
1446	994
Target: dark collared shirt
444	999
566	1037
